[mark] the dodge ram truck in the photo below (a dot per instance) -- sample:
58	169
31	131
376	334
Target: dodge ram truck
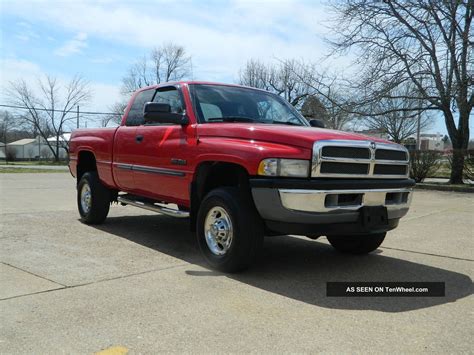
239	164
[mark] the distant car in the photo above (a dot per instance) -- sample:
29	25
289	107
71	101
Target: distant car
241	163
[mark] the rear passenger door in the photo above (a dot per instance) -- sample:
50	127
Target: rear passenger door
126	143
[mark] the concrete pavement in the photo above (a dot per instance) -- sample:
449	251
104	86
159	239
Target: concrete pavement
138	282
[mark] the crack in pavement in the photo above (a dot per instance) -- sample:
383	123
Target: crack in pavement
32	273
430	254
65	287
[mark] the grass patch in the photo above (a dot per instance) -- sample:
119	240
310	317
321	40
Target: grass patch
33	162
29	171
442	186
443	172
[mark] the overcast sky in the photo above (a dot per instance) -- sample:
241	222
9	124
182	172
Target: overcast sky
101	39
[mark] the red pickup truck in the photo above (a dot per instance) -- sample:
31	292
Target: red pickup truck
240	164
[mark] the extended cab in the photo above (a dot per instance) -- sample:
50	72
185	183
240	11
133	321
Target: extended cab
240	164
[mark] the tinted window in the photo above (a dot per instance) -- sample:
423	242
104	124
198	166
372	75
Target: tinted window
170	96
135	116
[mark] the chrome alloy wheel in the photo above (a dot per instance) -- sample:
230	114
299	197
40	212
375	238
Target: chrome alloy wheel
218	230
86	198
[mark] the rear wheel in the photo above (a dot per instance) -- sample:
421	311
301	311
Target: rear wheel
229	230
93	199
357	244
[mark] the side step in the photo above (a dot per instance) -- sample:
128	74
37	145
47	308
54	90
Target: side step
153	207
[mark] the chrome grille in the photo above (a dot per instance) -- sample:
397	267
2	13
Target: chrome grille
360	159
387	154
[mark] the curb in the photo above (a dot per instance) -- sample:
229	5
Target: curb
446	187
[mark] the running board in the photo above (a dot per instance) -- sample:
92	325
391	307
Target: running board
152	207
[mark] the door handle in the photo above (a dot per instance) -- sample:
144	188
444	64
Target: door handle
139	138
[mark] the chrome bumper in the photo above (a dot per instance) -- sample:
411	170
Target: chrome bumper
321	201
318	206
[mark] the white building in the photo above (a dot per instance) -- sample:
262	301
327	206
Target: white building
429	141
32	149
27	148
63	143
2	151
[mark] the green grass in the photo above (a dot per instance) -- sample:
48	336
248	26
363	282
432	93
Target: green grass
446	187
443	172
34	162
29	171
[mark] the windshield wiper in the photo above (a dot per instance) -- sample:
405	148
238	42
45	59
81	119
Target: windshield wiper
287	123
231	119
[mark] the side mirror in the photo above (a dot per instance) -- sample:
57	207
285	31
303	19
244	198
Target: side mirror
154	112
317	123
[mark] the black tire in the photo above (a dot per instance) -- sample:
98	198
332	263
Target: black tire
357	244
99	199
246	226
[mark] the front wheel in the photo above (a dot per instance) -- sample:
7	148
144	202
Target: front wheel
357	244
93	199
229	230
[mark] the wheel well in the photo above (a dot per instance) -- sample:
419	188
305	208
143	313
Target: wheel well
86	162
210	175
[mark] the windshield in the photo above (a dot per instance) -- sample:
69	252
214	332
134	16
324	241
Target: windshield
218	103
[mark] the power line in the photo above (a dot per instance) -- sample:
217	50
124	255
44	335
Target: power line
52	110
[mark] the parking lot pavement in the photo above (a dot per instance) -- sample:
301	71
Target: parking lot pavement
138	283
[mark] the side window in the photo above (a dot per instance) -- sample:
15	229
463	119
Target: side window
171	96
135	115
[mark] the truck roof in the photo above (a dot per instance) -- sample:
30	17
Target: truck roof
188	82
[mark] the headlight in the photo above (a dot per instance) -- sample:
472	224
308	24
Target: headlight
284	167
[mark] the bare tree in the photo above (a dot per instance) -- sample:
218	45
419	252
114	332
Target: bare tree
255	74
46	153
334	116
399	126
13	127
396	115
51	106
282	78
31	152
314	108
116	112
139	75
168	62
10	153
426	43
7	124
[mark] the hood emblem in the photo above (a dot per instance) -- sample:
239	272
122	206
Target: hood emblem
372	145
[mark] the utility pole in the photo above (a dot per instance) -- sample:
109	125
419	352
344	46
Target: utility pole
77	119
418	128
418	123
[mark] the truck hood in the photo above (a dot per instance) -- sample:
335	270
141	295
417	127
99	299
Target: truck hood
291	135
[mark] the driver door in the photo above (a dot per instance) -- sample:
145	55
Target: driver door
161	170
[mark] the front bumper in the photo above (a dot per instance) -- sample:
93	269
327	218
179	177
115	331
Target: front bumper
328	206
